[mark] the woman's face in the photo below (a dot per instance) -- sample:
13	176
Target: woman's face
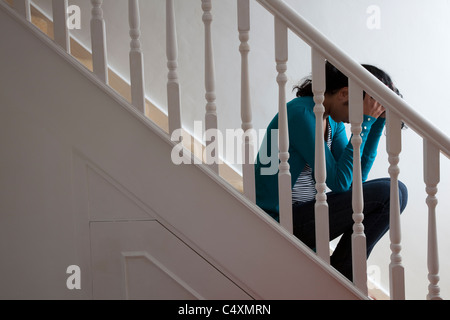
336	105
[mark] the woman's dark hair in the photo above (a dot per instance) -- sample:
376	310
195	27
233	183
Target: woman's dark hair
336	80
383	77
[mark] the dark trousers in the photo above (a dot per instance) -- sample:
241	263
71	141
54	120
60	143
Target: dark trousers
376	220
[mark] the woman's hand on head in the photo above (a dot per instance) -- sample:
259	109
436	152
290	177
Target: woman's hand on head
372	107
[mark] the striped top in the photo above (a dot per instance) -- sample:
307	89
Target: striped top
304	189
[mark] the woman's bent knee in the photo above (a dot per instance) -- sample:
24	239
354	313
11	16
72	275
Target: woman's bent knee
381	190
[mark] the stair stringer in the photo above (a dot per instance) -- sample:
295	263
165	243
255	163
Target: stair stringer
54	95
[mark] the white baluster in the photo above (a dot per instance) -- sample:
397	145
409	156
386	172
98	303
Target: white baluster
321	205
60	15
394	146
431	177
23	7
211	113
173	87
248	172
136	57
359	246
98	39
284	175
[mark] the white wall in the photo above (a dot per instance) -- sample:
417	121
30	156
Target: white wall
411	44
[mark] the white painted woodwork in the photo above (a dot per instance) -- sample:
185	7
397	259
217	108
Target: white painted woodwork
132	253
53	145
284	174
141	260
23	8
210	95
359	247
62	172
394	146
61	31
98	40
136	57
97	185
173	86
431	156
321	205
248	170
135	260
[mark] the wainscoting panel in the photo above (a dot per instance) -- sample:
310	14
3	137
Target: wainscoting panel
143	260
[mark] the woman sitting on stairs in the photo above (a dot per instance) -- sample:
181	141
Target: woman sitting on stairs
339	167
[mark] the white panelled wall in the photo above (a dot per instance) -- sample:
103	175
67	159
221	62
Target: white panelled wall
407	32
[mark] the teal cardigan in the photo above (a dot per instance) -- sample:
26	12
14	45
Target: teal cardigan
301	126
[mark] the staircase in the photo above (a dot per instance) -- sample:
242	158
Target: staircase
89	181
